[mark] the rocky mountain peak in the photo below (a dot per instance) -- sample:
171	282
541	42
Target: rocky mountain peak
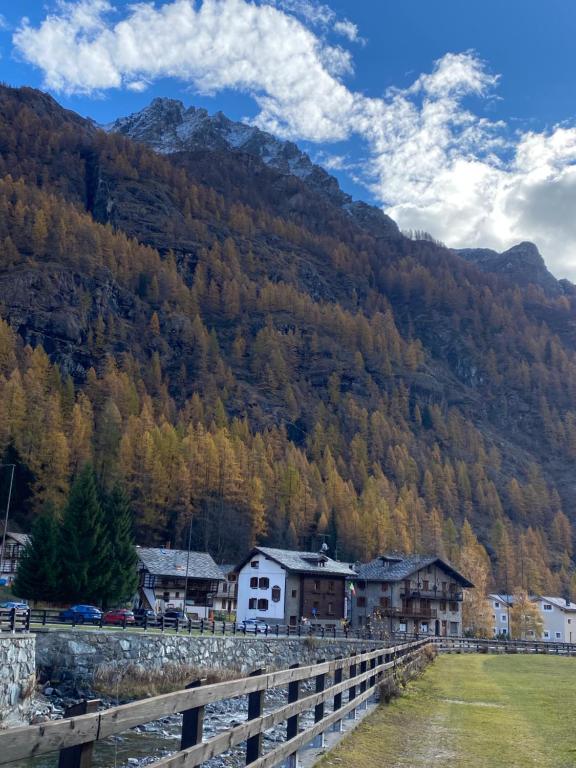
522	264
168	127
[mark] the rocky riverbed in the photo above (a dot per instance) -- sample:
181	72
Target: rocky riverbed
145	744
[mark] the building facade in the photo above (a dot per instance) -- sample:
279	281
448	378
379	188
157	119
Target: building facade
225	600
14	545
559	619
501	606
281	586
409	594
166	575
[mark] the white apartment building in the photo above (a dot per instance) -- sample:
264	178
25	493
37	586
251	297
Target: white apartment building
501	605
559	616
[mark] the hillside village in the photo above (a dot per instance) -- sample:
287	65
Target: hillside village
400	595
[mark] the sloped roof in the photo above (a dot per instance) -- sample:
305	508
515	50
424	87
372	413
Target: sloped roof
397	568
173	562
302	562
19	538
559	602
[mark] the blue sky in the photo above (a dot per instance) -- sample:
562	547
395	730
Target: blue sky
456	116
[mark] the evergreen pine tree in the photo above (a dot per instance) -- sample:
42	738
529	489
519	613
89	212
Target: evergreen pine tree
122	571
84	543
37	577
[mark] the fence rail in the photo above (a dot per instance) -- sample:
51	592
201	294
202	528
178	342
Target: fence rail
484	645
355	675
38	618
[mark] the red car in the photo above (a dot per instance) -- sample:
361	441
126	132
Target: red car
118	616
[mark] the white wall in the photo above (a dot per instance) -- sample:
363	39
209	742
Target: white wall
277	578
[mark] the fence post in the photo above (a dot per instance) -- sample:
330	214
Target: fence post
319	741
12	619
192	720
79	756
352	689
44	617
364	683
255	709
27	620
292	722
372	682
337	726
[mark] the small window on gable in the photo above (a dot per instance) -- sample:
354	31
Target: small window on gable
254	564
547	607
496	604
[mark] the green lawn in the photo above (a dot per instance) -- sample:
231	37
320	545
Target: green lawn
473	711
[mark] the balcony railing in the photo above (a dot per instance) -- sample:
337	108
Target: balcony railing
409	613
433	594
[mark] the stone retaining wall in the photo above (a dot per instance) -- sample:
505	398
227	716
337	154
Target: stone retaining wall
76	655
17	677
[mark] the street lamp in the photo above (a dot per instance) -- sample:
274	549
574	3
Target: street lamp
13	467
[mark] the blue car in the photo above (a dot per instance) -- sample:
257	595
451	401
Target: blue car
79	614
9	604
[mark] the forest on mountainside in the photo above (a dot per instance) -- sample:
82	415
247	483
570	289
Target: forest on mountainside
234	350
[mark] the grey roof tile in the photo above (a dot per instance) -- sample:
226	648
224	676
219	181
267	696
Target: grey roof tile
397	568
306	562
172	562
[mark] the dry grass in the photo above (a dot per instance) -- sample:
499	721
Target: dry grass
138	682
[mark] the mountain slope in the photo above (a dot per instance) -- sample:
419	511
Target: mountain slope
233	345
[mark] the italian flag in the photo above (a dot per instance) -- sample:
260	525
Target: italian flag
352	588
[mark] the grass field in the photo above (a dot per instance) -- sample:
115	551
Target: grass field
473	711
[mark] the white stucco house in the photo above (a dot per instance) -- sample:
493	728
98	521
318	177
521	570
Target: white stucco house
559	616
501	606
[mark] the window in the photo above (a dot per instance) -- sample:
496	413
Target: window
425	585
232	577
384	587
384	602
558	635
224	588
275	594
546	635
496	605
316	586
402	626
453	627
493	617
166	596
254	564
330	609
264	582
454	607
294	593
442	605
503	618
177	594
424	626
569	621
546	607
252	603
254	582
262	604
361	602
292	621
331	586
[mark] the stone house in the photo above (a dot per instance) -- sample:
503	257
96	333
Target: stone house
282	586
167	574
411	594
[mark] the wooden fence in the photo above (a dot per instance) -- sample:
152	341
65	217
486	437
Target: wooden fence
12	620
354	676
483	645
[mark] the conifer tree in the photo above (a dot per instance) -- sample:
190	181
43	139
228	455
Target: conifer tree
122	570
37	577
84	543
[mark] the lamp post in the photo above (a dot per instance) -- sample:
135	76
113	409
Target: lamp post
13	467
187	565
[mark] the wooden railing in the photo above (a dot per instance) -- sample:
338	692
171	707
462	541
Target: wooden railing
13	620
356	676
486	645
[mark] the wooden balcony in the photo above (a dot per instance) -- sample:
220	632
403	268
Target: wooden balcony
431	594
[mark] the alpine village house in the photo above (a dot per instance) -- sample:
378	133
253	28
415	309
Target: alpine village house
281	586
412	594
166	575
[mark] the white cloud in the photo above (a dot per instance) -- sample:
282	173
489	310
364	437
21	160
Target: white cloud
432	162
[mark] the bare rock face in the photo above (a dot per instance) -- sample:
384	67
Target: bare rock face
522	265
168	127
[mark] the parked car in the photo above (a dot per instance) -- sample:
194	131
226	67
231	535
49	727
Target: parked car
172	614
253	626
145	615
119	616
81	614
9	604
